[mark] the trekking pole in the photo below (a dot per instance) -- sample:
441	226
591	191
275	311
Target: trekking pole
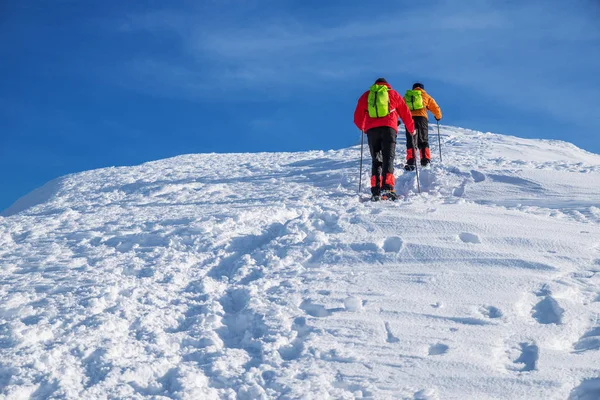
439	141
362	140
416	163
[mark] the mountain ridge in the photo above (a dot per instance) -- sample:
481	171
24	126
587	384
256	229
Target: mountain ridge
176	279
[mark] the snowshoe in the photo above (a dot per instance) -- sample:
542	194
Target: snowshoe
409	167
375	197
389	195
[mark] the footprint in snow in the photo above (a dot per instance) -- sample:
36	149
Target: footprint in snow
543	291
589	389
527	355
295	348
356	219
30	320
96	367
589	341
239	320
145	273
467	237
390	336
327	222
459	191
235	300
314	310
393	244
491	312
477	176
548	311
438	349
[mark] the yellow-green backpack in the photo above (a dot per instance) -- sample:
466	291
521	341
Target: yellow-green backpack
414	99
379	101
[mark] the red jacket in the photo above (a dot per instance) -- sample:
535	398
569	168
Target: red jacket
364	122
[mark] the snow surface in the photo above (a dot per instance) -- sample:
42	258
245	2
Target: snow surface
263	276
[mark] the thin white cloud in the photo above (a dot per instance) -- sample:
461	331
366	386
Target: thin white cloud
497	49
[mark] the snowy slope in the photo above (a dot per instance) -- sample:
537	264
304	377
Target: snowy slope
250	276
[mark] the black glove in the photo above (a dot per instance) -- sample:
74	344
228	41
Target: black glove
399	122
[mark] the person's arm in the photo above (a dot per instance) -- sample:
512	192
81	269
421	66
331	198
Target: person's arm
360	113
434	108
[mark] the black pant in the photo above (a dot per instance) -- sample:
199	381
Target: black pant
422	136
382	145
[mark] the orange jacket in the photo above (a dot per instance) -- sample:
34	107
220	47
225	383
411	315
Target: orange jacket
429	104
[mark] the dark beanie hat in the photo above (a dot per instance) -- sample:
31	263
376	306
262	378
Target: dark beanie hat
381	80
418	85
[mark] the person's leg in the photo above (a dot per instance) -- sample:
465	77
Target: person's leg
388	151
373	138
423	133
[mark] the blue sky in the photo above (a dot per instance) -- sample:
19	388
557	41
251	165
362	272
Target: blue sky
88	84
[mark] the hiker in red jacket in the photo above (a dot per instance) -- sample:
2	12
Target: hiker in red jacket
377	114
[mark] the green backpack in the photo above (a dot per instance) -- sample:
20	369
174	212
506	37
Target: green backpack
379	101
414	100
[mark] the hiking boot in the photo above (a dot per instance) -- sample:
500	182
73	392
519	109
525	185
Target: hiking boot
375	197
389	195
409	167
425	162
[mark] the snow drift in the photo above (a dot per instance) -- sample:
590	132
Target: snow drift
264	276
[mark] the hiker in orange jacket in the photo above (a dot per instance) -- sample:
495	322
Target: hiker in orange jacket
381	133
419	116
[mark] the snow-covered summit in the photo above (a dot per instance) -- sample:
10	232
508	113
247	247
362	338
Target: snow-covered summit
264	276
